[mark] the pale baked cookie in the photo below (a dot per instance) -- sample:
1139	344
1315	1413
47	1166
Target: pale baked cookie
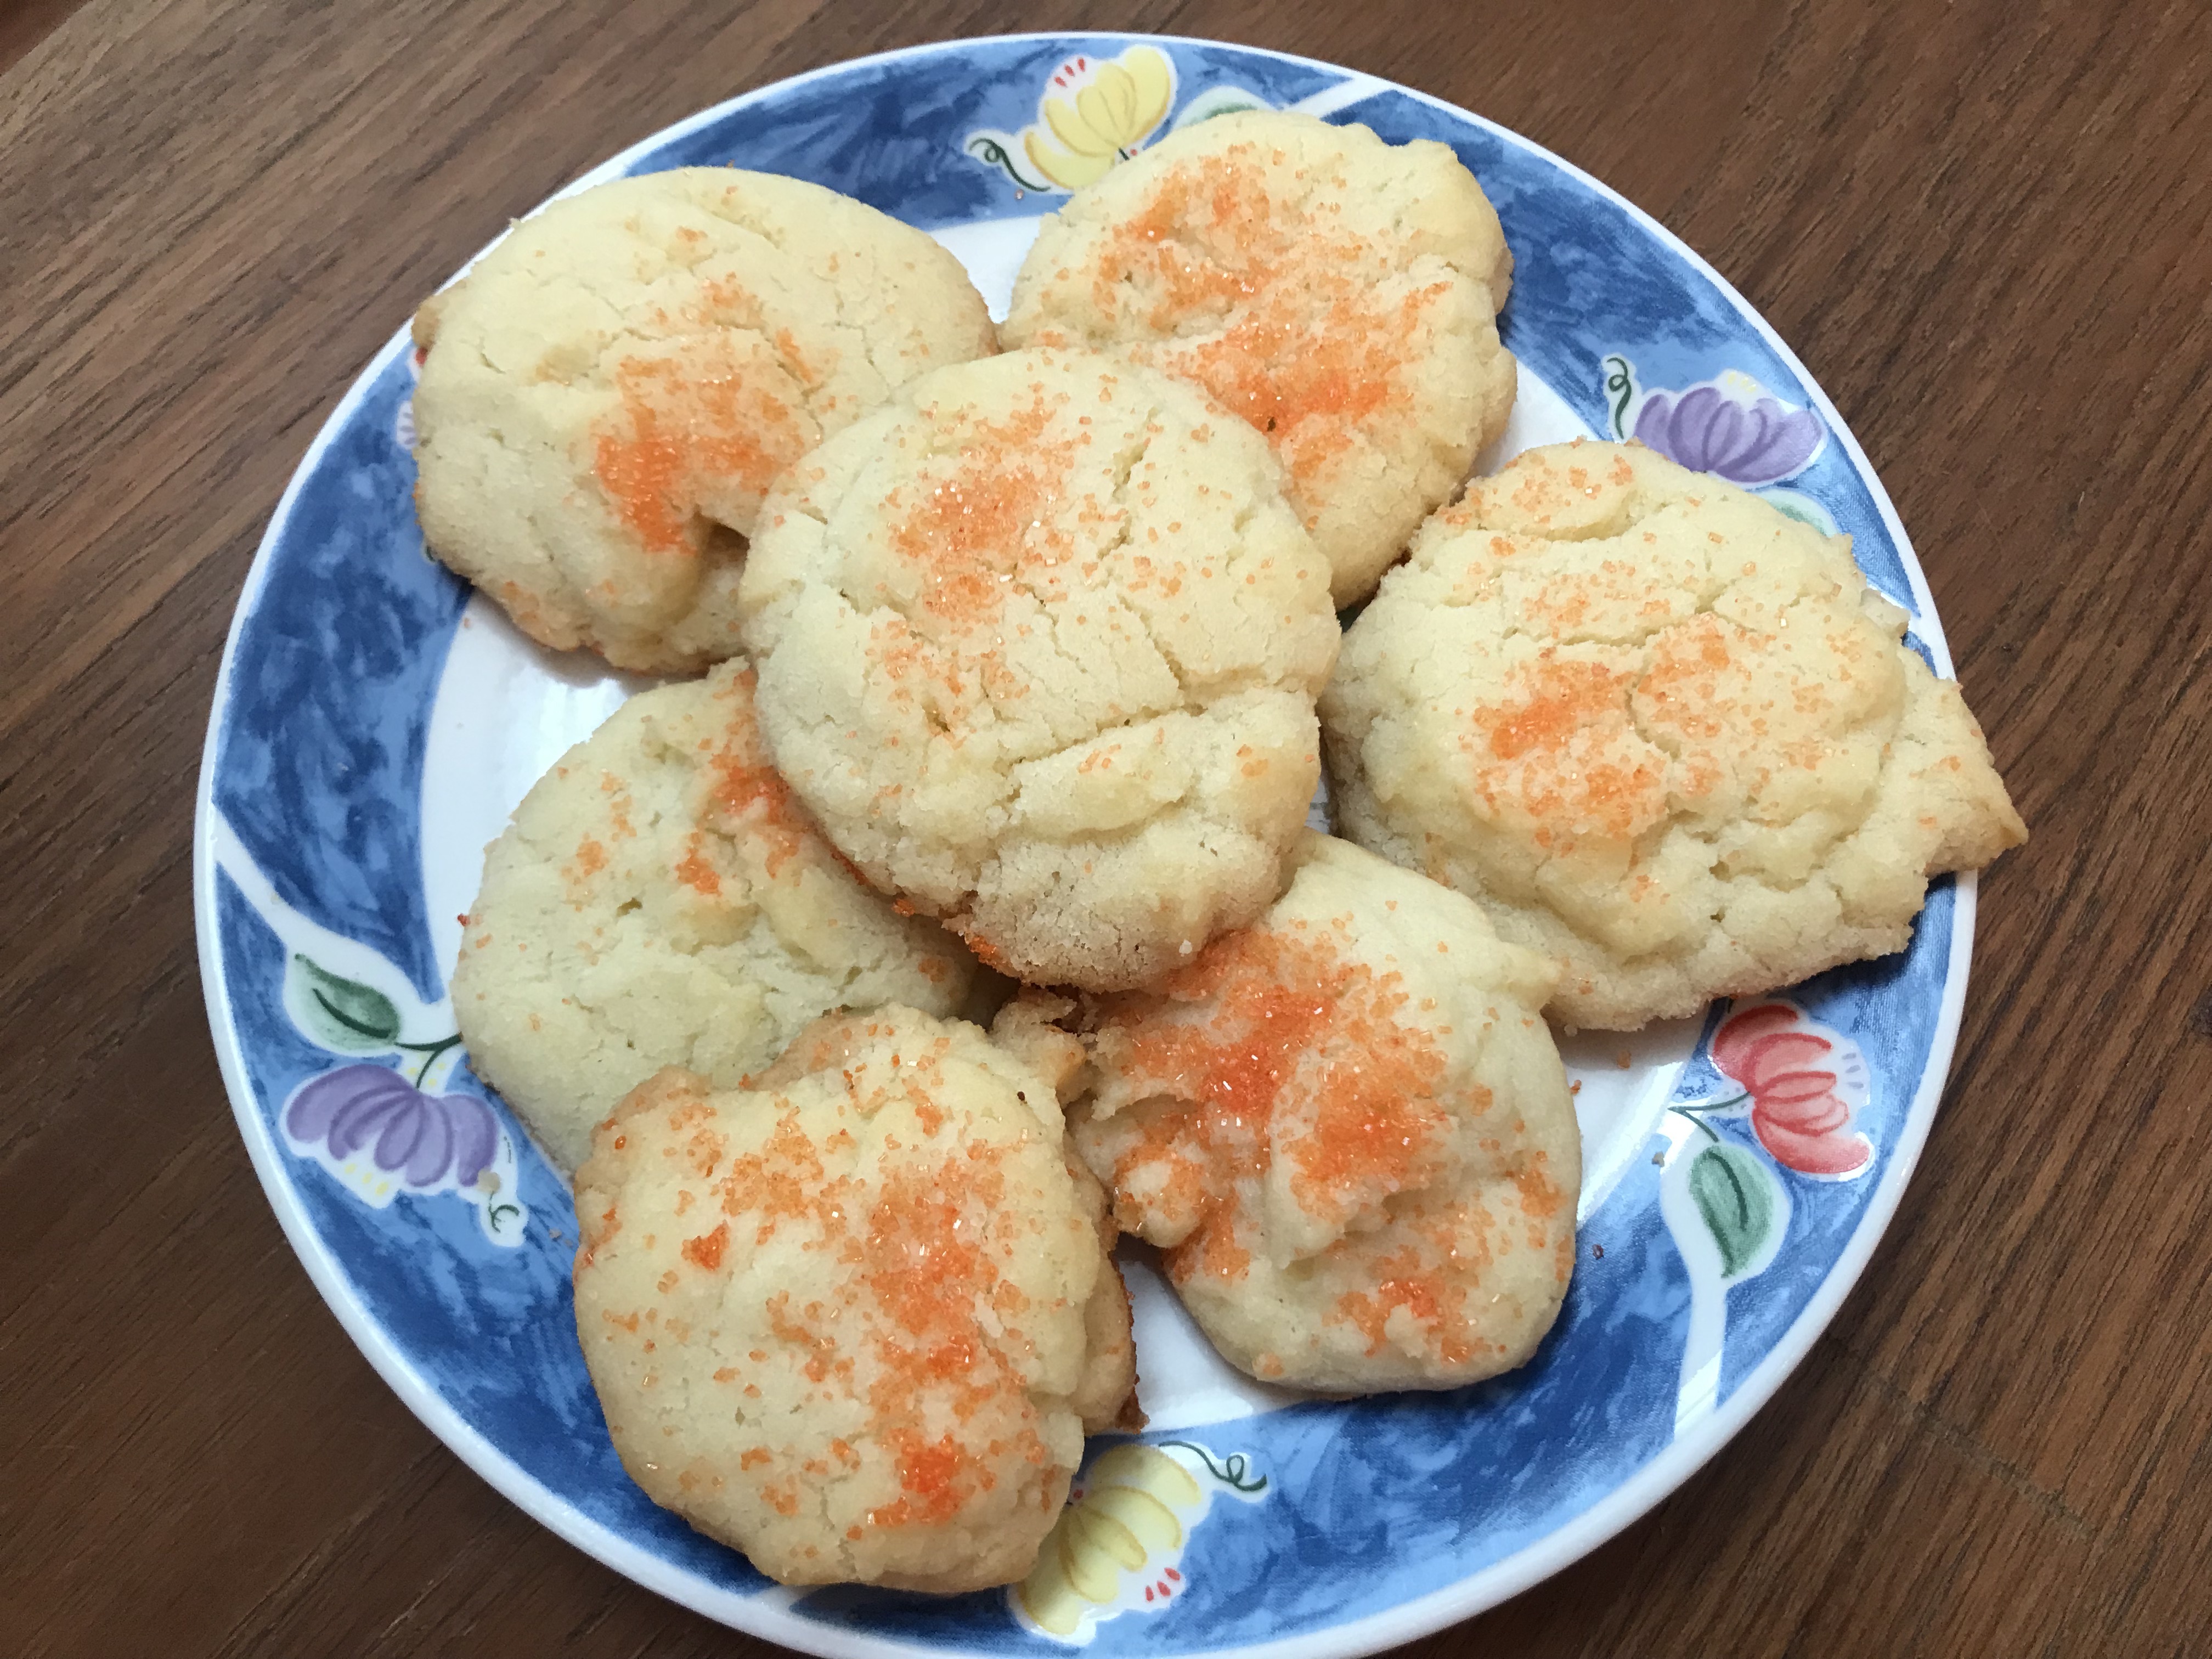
1346	1125
1038	644
1338	293
1106	1398
611	390
660	900
841	1323
1664	732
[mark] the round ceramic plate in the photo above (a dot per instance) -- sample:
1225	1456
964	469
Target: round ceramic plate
375	723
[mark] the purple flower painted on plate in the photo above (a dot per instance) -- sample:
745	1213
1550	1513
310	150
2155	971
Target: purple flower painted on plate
415	1137
1751	442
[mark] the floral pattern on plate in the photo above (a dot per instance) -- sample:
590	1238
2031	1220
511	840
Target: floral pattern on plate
1801	1084
379	1131
1095	113
1118	1546
344	683
1092	114
1730	426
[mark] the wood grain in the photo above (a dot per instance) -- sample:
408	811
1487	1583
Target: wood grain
1986	227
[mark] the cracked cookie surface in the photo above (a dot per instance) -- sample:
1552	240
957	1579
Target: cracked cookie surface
1338	293
659	899
1346	1126
1663	731
611	389
1038	645
844	1322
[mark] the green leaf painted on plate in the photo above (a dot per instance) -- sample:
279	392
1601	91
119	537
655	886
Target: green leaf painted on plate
1735	1195
341	1014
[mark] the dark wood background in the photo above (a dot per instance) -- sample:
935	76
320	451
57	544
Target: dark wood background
1984	224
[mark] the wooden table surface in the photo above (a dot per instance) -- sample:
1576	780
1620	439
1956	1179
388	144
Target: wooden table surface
1983	225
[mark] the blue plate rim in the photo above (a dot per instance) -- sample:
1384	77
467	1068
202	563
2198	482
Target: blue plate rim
765	1615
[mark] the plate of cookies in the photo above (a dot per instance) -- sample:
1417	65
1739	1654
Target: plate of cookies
1087	841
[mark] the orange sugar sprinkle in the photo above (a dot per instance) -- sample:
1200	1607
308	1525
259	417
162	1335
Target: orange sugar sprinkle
747	789
693	870
1573	758
930	1472
784	1498
980	523
1284	1024
1305	349
980	947
1434	1303
1684	687
1540	1196
784	1181
1560	699
706	1250
928	1256
923	1252
688	427
803	369
936	1329
1213	1250
759	793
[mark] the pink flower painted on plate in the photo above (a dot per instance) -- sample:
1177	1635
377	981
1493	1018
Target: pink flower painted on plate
1790	1072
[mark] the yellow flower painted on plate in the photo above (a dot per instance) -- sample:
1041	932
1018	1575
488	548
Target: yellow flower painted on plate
1118	1544
1111	110
1094	112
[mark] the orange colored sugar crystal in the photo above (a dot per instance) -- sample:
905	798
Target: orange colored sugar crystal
688	428
1572	757
1307	349
973	528
1274	1045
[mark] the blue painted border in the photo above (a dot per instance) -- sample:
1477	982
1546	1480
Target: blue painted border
316	760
